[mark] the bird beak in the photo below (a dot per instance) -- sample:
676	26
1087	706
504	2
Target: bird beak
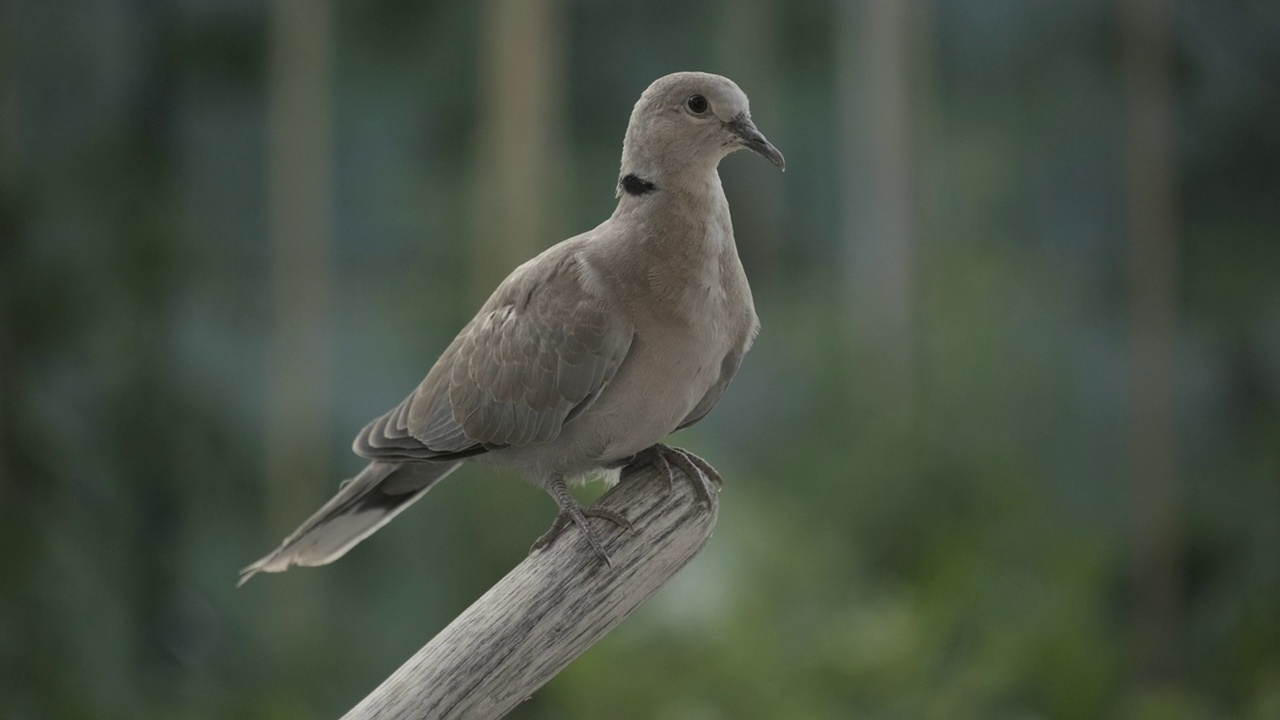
755	141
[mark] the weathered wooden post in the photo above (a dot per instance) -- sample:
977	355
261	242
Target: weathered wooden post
549	609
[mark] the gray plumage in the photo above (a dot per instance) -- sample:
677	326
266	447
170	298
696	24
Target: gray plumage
589	354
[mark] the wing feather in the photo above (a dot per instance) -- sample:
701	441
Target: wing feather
538	354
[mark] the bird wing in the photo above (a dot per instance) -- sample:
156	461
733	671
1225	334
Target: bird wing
728	368
539	353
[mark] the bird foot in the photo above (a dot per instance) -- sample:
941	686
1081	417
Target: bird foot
572	512
706	481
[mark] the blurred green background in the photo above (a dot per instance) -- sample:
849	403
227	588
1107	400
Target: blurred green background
1008	445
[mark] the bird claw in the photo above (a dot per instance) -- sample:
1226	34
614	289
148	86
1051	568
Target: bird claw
572	512
666	459
669	461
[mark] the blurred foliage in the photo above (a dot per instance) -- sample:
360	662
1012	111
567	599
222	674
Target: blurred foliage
970	555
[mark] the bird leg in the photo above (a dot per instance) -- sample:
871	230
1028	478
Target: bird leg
667	460
572	511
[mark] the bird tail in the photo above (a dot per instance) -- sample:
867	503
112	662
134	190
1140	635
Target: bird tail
363	504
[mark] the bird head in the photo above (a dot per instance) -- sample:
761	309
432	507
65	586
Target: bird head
688	121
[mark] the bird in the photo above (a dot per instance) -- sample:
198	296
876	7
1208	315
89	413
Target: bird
588	355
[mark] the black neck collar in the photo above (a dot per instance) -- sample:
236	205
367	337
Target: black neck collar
635	185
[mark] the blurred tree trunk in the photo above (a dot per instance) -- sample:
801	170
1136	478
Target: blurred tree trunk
1152	240
747	42
8	221
299	175
877	65
522	93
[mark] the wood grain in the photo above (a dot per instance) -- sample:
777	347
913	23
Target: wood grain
549	609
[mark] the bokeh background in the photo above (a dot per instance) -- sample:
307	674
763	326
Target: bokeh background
1008	445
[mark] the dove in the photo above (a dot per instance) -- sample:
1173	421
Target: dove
587	356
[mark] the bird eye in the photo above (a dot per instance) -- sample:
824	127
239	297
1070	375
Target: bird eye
696	104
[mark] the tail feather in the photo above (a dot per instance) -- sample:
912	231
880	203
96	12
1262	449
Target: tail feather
363	504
